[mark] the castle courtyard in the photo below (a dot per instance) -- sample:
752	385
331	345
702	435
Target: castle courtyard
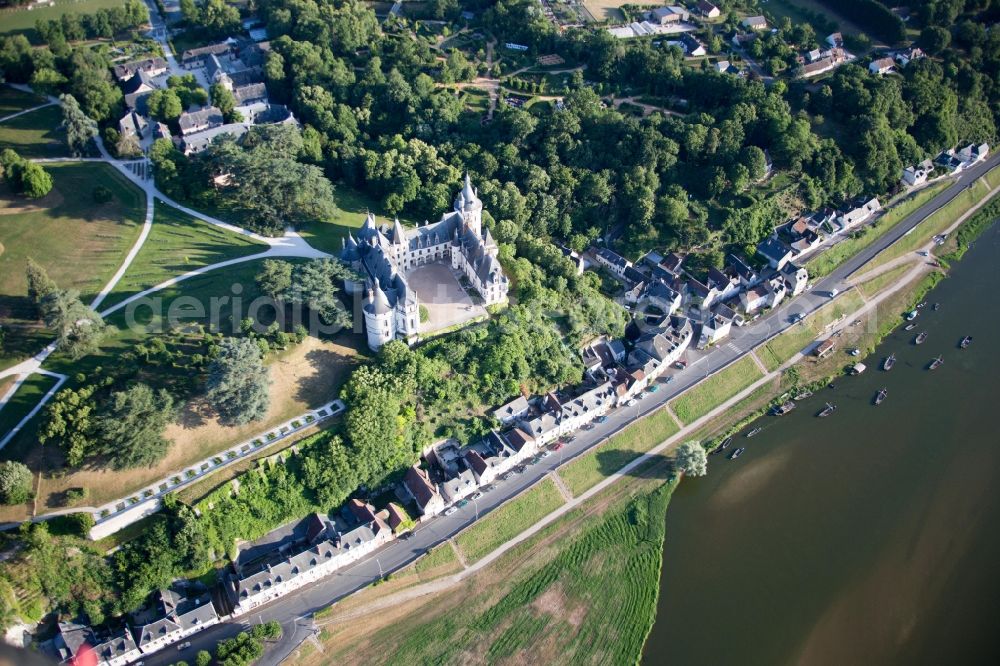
439	290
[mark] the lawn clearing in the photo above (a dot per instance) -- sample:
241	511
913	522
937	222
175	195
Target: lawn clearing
179	243
713	391
829	259
22	20
23	401
517	515
78	241
35	134
13	100
597	464
607	10
352	209
873	286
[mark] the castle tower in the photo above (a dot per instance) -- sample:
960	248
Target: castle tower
467	203
379	320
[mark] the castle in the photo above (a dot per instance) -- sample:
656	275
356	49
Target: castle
384	256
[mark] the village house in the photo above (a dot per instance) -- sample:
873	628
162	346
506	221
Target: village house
613	261
703	296
708	10
574	256
776	290
177	617
917	175
881	66
136	89
668	15
748	276
133	124
973	154
726	283
754	298
717	325
151	66
691	46
776	252
661	296
512	411
116	649
824	349
199	141
200	120
417	484
796	277
741	40
754	23
906	56
655	350
835	40
861	209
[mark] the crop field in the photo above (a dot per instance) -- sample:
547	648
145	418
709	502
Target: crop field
715	390
509	520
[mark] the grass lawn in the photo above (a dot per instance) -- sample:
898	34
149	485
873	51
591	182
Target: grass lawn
788	344
704	397
829	259
937	222
79	242
607	10
589	469
583	591
27	396
179	243
873	286
13	100
35	134
352	209
22	20
509	520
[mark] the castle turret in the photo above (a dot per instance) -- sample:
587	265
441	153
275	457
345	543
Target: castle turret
379	320
467	204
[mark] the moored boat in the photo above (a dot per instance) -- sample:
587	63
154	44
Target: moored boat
829	409
909	327
911	315
889	362
803	395
755	431
966	341
726	442
936	363
784	408
736	453
919	340
937	306
880	396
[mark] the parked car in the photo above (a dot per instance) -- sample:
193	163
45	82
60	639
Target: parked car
601	419
556	446
450	510
544	454
653	389
681	364
833	293
570	439
462	502
589	426
630	402
519	469
797	317
504	476
183	646
475	495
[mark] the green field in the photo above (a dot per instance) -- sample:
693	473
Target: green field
35	134
592	601
352	209
715	390
23	20
589	469
13	100
27	396
829	259
517	515
937	222
79	242
880	282
179	243
789	343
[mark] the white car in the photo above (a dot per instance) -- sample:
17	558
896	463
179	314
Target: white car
834	292
450	510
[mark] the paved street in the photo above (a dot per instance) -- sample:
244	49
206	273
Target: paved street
292	611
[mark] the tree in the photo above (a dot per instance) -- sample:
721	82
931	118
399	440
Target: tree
275	278
222	98
78	328
331	471
935	39
165	105
15	482
69	423
35	181
40	284
691	459
80	129
203	658
316	285
131	428
238	382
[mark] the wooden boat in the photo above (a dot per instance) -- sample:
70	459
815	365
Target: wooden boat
737	453
909	327
803	395
829	409
880	396
936	363
755	431
889	362
966	341
784	408
919	340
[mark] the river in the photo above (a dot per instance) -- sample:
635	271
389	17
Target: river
871	536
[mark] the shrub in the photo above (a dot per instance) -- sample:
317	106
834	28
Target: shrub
15	482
